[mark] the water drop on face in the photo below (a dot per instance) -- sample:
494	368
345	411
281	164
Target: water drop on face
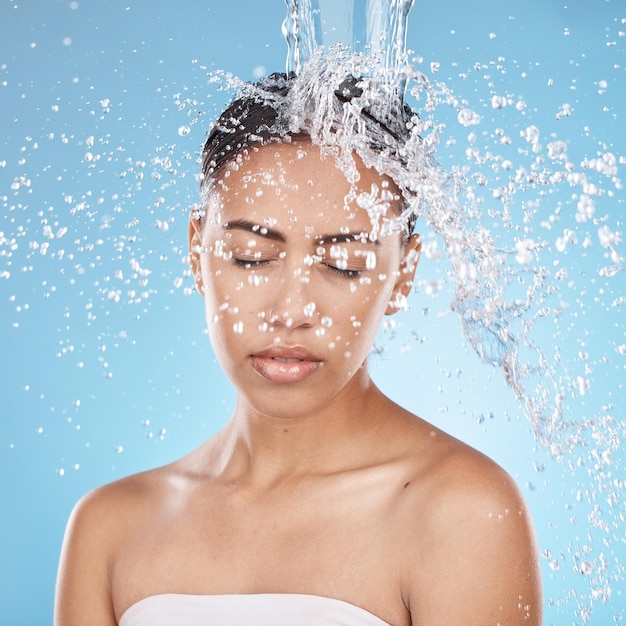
238	328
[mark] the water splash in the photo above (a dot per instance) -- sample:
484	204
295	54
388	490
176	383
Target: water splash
92	186
374	28
503	290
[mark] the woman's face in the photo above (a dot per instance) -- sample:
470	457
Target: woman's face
294	288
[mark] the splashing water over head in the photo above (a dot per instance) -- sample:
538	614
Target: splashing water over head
538	197
326	104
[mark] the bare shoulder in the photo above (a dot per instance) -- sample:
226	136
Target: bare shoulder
98	525
105	511
471	556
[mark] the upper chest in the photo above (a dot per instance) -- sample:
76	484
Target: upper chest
331	538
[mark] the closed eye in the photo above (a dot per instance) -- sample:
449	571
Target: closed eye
250	263
345	273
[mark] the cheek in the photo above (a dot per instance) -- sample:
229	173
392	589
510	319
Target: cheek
360	309
233	300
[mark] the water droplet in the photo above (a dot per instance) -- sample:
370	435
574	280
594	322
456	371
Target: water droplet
259	71
524	249
586	209
609	271
531	134
498	102
557	150
184	130
467	117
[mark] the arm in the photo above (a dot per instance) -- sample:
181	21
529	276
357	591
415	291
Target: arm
83	594
480	563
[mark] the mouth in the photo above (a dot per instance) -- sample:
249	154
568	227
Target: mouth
284	365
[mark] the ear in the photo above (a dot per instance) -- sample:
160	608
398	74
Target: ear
402	288
195	243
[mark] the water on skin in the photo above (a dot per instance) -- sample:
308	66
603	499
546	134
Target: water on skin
506	241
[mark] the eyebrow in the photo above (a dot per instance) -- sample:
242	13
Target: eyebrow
349	237
255	229
275	235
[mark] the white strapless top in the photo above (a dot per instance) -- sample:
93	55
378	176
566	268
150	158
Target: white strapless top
264	609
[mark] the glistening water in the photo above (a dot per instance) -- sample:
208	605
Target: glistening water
105	366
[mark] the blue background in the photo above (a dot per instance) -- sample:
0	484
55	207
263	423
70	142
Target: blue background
105	366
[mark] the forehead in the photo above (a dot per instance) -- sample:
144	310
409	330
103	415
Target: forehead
291	183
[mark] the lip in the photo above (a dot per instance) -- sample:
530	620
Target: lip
285	364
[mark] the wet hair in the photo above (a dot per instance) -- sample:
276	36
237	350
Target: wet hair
259	116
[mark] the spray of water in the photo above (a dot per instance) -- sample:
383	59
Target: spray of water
507	217
501	287
494	216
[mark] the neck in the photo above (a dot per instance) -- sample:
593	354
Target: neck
264	450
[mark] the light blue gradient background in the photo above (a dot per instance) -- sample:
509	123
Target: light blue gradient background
92	390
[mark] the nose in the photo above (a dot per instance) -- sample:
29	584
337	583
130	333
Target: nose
292	305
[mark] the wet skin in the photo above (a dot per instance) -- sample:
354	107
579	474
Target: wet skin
319	484
288	272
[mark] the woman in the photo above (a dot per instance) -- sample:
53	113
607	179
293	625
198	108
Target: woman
321	501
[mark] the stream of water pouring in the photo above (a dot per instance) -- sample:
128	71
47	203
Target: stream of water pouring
376	28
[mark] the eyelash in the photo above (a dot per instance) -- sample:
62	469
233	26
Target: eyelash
350	274
253	263
250	263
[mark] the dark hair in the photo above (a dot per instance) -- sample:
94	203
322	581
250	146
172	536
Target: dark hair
260	116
